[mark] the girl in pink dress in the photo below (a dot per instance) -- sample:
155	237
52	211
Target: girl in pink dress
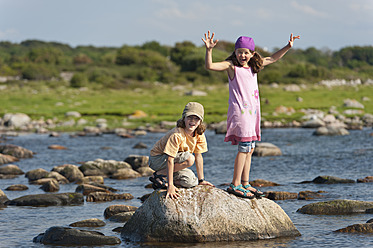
243	118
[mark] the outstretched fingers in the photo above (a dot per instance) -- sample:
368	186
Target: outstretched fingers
209	40
292	38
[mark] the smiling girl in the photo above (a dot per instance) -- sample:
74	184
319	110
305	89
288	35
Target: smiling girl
243	118
173	153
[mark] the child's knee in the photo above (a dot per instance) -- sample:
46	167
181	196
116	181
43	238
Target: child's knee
190	160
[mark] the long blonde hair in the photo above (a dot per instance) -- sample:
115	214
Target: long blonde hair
199	130
255	63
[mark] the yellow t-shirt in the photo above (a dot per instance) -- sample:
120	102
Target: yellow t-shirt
176	140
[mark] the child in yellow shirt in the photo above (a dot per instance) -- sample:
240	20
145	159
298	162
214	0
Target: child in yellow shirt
173	153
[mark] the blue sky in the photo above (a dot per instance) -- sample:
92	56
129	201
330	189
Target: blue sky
331	24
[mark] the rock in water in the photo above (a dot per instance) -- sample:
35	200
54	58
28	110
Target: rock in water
66	236
336	207
263	149
205	213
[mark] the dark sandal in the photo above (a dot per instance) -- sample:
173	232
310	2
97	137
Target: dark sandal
158	181
256	192
232	190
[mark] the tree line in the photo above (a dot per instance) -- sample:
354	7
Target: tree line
118	67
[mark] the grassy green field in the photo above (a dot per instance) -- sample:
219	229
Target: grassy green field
163	102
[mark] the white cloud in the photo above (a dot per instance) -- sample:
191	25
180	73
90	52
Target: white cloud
308	10
9	34
366	6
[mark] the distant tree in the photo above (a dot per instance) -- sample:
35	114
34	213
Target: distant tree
354	57
155	46
47	55
82	59
38	72
79	80
181	50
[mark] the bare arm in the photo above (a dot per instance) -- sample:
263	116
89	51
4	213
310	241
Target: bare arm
210	44
280	53
171	189
199	167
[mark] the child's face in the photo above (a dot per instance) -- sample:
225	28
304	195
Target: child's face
191	123
243	55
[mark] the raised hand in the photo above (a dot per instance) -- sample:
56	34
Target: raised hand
292	38
209	40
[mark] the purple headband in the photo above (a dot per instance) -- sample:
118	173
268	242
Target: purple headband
245	42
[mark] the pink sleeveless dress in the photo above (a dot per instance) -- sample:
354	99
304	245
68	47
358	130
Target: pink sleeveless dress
243	118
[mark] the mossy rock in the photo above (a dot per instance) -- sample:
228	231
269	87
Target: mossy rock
336	207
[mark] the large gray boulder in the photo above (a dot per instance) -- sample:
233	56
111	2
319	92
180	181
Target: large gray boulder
206	213
66	236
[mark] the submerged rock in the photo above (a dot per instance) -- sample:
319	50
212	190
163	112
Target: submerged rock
263	183
45	200
58	235
308	195
16	151
331	180
357	228
368	179
88	223
104	196
336	207
116	209
280	195
17	187
205	213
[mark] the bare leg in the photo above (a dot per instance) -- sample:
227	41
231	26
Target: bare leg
246	169
239	164
246	174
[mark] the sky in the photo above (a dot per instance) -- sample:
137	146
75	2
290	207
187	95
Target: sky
323	24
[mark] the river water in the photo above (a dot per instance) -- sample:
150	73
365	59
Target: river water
304	157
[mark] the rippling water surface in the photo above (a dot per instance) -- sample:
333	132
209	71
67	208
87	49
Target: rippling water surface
304	157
